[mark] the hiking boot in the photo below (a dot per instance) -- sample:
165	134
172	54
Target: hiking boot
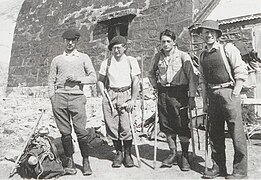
86	167
128	161
170	160
214	172
70	169
236	176
117	161
185	166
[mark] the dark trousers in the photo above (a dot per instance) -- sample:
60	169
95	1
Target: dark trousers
225	108
67	108
173	117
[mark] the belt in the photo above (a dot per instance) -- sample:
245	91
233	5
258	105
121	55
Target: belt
223	85
122	89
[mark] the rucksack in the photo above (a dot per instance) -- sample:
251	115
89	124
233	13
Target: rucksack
40	159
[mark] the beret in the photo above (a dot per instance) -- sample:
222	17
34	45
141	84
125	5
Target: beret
71	34
117	40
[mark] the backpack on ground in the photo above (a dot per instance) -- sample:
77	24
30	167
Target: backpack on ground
40	159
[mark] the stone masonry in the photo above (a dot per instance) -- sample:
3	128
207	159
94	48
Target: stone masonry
40	23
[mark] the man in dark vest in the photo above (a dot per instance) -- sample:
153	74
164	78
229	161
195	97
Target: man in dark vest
221	80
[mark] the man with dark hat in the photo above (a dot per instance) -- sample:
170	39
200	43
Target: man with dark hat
222	73
69	72
119	96
173	76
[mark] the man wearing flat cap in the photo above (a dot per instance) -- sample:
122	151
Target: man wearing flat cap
121	72
69	72
222	75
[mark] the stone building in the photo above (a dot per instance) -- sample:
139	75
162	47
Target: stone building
40	23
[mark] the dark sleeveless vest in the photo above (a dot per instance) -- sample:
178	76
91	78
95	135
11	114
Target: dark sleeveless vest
214	68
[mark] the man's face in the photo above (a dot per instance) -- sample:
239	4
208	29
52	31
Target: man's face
118	50
209	36
70	44
167	43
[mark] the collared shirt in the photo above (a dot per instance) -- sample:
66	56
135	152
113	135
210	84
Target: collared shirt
121	72
172	70
234	64
77	64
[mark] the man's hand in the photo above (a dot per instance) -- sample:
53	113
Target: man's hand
192	103
129	105
72	77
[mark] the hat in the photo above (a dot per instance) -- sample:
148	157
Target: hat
117	40
210	24
71	34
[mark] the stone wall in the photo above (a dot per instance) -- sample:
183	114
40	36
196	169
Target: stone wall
40	23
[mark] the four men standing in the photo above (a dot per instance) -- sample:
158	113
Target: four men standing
174	78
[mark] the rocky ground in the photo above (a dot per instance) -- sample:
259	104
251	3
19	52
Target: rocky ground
19	115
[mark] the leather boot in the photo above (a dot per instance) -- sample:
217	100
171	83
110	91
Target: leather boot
70	169
185	166
172	158
86	167
214	172
127	161
117	161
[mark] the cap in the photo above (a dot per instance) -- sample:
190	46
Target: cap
71	34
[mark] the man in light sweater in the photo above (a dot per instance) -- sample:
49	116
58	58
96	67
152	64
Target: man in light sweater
69	72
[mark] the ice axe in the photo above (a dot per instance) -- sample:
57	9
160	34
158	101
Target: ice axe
156	134
134	139
206	142
192	133
14	169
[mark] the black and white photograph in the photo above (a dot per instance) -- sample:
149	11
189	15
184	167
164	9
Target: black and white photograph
130	89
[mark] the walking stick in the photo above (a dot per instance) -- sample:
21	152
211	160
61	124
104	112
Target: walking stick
206	142
134	139
192	133
13	171
142	97
156	134
196	114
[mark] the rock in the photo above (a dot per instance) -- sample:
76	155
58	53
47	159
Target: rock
8	131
